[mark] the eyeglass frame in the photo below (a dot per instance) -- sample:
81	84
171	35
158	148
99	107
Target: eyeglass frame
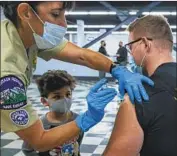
132	42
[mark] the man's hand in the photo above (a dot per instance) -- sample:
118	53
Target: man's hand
132	83
97	100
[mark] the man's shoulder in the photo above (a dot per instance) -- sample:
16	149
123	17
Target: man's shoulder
164	79
158	96
153	90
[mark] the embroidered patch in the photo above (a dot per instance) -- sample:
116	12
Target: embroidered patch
13	93
20	117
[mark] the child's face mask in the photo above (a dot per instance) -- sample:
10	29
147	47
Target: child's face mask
60	106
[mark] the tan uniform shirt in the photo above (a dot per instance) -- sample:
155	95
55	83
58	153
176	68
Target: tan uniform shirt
17	66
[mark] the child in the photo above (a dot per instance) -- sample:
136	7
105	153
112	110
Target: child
56	88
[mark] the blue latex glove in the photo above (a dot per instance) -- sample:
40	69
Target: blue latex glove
132	83
97	100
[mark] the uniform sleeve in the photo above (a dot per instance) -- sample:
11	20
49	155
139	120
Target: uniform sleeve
51	53
16	111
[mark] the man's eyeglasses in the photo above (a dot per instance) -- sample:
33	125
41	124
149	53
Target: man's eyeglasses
128	45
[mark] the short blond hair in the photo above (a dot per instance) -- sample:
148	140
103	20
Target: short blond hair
155	27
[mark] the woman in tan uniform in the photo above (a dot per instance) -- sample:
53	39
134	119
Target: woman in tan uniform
37	29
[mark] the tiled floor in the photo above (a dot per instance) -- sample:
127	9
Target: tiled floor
95	139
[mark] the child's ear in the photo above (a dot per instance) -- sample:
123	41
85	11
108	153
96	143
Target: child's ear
44	101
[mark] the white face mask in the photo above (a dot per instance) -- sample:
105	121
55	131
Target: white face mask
52	36
60	106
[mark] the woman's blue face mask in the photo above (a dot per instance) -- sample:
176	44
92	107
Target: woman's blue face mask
52	36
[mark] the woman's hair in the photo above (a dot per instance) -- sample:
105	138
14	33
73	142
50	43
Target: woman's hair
54	80
10	8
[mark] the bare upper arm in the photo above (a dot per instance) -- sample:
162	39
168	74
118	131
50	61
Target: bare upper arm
127	136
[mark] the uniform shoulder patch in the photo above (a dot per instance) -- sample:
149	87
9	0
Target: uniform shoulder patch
13	93
20	117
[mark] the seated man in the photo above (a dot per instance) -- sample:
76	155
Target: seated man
149	129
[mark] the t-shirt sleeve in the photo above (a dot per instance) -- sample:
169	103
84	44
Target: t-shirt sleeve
51	53
150	111
45	123
144	114
16	111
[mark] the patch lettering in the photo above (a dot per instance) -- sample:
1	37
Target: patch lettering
20	117
13	93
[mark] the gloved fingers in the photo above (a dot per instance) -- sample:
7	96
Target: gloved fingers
106	91
121	89
130	93
147	80
143	92
99	101
136	92
98	85
106	97
109	98
102	104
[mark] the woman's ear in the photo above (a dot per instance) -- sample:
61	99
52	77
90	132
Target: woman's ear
24	12
44	101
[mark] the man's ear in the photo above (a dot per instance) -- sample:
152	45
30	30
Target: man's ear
24	12
147	44
44	101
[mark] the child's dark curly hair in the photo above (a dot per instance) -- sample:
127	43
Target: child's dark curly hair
54	80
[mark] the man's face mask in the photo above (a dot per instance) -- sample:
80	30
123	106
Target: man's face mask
60	106
52	36
137	68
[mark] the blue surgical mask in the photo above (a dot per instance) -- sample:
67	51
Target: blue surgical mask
138	68
60	106
52	36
